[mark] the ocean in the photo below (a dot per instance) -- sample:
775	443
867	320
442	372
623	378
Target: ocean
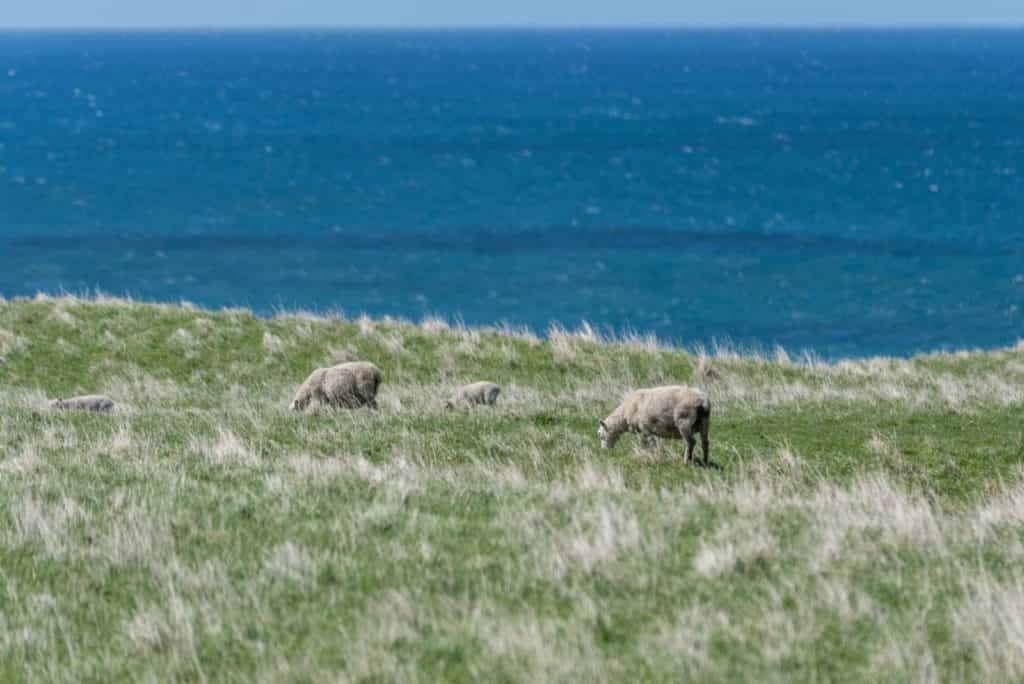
845	192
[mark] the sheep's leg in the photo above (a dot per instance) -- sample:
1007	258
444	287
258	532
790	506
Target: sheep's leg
685	425
705	426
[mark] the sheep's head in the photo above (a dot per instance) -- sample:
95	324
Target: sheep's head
608	438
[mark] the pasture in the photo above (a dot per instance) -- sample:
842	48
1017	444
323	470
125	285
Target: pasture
865	522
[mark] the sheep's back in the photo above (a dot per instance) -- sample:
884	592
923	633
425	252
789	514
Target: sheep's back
477	393
357	381
662	401
91	402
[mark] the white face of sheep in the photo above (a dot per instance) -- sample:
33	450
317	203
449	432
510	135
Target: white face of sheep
607	438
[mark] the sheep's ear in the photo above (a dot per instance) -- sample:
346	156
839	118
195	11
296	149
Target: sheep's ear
603	424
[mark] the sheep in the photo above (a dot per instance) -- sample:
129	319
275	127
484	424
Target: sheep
347	385
674	411
91	402
474	394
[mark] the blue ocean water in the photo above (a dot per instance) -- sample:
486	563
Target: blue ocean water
849	192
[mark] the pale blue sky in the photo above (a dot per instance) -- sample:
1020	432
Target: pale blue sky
282	13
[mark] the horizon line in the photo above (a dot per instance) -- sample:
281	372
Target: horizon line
525	27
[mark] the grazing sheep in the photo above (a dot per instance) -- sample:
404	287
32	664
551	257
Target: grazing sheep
675	412
347	385
91	402
474	394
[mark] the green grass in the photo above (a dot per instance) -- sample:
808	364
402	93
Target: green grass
865	522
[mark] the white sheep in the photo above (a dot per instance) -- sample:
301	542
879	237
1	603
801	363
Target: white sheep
91	402
674	412
474	394
347	385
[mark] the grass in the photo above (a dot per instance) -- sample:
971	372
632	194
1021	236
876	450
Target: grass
865	524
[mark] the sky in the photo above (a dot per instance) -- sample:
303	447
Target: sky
408	13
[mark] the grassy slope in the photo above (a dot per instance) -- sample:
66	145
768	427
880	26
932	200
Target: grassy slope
865	522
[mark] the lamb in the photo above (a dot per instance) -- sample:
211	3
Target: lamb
673	411
347	385
90	402
474	394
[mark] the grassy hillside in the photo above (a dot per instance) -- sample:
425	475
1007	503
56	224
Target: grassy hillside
865	523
